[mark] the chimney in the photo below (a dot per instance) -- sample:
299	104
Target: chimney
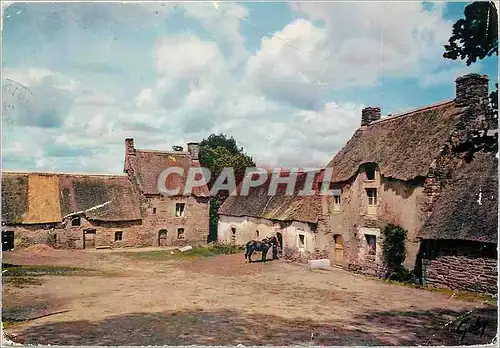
129	146
194	150
370	114
471	89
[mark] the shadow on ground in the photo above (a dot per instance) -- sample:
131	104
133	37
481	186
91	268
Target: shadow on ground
233	327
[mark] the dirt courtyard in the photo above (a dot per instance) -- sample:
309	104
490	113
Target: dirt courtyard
154	298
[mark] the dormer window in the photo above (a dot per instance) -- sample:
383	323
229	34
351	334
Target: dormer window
370	172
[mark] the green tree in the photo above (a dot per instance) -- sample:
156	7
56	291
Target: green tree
216	152
475	37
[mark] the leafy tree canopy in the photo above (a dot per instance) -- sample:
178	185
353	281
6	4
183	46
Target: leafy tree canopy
475	36
219	151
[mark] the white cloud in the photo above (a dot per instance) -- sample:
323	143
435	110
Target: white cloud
358	43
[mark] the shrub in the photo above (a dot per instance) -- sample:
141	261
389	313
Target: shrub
394	246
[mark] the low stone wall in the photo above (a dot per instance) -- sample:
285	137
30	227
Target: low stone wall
369	269
294	255
462	273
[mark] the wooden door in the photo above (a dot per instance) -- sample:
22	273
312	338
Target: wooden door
89	239
338	255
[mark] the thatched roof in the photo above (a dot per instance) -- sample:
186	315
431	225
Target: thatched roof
468	208
14	197
281	207
148	164
32	198
403	146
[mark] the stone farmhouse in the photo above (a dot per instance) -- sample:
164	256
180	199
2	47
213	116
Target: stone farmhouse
96	211
297	221
423	170
394	170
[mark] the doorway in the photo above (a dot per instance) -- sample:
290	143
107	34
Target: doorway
7	240
162	237
89	238
338	252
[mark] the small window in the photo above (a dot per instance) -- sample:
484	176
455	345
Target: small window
154	211
302	241
233	235
336	202
371	240
180	233
372	196
179	209
257	233
118	236
76	221
370	172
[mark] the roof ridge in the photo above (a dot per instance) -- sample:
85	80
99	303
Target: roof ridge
182	153
411	111
63	173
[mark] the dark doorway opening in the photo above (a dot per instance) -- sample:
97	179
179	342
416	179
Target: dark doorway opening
7	240
162	238
89	238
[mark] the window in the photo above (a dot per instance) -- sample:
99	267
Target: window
257	233
118	236
180	233
76	221
154	211
371	240
233	235
179	209
370	172
301	241
372	196
336	202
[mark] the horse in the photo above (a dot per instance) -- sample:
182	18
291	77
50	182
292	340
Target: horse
262	246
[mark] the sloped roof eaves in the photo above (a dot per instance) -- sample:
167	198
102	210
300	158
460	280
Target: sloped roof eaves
104	198
468	207
402	146
278	207
75	193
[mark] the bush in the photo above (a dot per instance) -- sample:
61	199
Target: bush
226	248
394	247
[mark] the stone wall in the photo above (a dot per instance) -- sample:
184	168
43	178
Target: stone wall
398	202
462	273
460	265
159	213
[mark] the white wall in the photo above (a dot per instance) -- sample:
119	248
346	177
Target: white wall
246	228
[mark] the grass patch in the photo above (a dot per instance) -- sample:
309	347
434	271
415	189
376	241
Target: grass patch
174	254
9	270
22	276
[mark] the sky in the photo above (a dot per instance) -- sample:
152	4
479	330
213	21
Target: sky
287	80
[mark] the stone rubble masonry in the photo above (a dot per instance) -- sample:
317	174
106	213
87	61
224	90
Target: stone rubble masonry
462	273
369	115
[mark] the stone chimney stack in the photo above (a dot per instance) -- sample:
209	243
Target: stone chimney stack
370	114
194	150
471	89
129	146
